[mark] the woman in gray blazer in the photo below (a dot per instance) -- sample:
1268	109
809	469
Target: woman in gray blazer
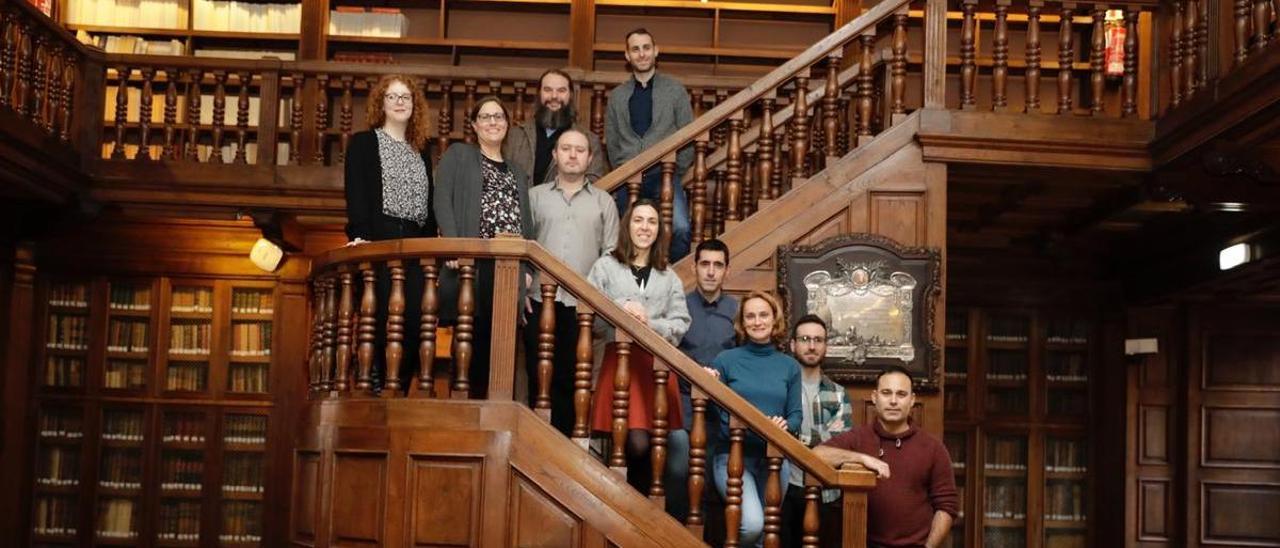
479	196
635	275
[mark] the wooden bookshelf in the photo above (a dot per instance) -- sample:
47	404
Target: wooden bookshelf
1017	410
154	438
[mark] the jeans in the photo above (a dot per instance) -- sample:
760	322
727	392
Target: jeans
651	187
677	480
755	471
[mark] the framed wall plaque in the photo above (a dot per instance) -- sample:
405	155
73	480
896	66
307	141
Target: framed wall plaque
877	298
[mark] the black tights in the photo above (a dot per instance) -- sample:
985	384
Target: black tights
639	466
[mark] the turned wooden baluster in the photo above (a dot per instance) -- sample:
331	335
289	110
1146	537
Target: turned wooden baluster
597	110
779	163
812	495
122	111
658	437
1202	43
830	102
242	117
720	133
897	77
733	484
39	64
8	42
749	193
721	198
733	167
49	85
366	326
317	333
468	102
395	330
1000	58
1261	24
667	198
583	362
219	114
621	398
697	461
1241	12
1129	89
546	348
773	499
145	101
1032	75
764	143
345	116
322	116
1190	57
518	113
295	120
1098	61
330	330
170	150
193	115
1066	57
633	189
445	119
346	305
430	320
865	88
842	138
22	84
68	87
699	209
464	331
800	123
968	50
1175	54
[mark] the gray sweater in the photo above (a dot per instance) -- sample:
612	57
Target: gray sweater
662	297
458	188
671	111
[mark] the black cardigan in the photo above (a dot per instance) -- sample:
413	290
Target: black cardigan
363	185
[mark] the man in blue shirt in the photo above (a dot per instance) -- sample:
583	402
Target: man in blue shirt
710	333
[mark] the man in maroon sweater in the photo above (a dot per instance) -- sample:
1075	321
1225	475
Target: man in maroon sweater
915	497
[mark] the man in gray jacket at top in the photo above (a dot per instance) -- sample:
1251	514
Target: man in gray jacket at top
645	109
528	146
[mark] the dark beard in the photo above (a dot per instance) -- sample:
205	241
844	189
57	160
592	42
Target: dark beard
557	119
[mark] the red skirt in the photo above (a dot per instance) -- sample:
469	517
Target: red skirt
640	408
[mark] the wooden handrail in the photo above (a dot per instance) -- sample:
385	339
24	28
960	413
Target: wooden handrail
743	99
613	314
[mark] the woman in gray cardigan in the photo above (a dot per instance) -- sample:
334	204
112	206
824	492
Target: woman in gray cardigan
479	196
635	275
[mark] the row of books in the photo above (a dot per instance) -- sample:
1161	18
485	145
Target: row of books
1005	500
69	295
957	325
1006	376
121	469
184	427
1007	362
1065	456
115	519
1068	401
126	374
68	332
182	471
204	153
1065	364
1065	539
60	466
230	113
63	371
164	14
1064	501
1068	331
179	520
957	360
1008	329
241	522
1004	537
125	43
130	297
224	53
955	401
242	473
61	423
251	302
55	515
366	57
1011	401
246	16
248	378
191	299
1006	454
251	338
122	426
190	338
186	376
374	22
245	429
127	335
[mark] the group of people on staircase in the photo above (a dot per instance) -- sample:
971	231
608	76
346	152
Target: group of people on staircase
534	181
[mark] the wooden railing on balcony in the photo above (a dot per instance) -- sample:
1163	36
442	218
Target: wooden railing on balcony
342	355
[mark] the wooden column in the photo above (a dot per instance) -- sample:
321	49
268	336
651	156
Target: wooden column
582	34
15	458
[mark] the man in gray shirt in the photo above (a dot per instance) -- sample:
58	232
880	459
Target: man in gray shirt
645	109
577	223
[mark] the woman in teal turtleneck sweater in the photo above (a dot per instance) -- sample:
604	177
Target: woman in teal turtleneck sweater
770	380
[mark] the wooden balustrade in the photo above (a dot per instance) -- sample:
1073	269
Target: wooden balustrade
335	312
42	71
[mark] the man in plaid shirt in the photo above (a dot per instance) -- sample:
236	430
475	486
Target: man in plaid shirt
827	412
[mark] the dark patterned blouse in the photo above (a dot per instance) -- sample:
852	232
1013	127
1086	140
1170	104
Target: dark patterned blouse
499	200
405	192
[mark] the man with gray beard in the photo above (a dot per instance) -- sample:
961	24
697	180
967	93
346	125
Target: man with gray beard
528	146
